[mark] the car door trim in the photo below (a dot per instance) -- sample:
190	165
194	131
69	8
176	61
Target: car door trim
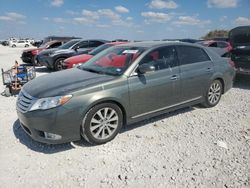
165	108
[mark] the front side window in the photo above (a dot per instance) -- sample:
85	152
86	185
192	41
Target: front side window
69	44
113	61
55	45
161	58
190	54
83	44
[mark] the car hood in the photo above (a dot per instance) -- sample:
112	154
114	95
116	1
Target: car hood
79	58
48	51
63	82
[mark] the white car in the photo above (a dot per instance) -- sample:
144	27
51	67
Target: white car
20	43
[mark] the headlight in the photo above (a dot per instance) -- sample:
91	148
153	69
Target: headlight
76	65
50	102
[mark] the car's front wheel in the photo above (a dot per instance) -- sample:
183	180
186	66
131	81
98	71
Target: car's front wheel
102	123
213	94
13	46
59	64
26	45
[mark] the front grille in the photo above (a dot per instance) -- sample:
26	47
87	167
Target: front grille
27	54
24	101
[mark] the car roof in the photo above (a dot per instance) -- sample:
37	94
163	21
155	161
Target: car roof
152	44
101	40
117	43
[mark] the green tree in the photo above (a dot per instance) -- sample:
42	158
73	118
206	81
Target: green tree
216	33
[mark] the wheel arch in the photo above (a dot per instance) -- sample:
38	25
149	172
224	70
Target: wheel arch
220	78
110	100
222	83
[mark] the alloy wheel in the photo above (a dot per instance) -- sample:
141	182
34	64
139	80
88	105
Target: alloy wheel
104	123
214	93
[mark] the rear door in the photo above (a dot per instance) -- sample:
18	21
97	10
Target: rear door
155	91
196	69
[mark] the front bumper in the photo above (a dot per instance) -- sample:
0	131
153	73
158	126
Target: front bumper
45	61
60	121
27	57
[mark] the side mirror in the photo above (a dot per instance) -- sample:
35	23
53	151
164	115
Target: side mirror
144	68
76	48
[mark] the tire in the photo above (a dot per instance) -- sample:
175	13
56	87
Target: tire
213	94
13	46
26	45
7	92
96	126
58	64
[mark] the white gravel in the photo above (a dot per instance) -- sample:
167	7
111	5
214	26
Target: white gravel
192	147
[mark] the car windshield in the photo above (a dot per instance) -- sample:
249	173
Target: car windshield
99	49
113	61
67	45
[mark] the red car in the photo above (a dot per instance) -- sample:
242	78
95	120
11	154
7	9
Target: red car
29	56
79	59
219	44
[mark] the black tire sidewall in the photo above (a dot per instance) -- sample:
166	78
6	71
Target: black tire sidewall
56	64
207	103
86	123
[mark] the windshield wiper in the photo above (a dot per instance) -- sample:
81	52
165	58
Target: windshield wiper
97	71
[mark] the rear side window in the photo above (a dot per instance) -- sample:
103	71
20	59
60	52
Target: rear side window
189	55
94	44
222	44
214	44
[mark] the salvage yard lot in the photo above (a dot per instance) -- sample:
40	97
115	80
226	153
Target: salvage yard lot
190	147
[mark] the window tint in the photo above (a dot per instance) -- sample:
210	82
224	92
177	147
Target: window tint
55	45
189	55
94	44
222	44
83	44
161	58
214	44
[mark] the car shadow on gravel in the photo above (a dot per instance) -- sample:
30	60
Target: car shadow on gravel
26	140
158	118
242	82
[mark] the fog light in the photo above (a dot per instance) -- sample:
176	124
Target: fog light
52	136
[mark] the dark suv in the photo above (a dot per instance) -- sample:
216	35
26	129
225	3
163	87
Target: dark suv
239	38
29	56
53	58
121	85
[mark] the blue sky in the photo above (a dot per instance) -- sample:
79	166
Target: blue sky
127	19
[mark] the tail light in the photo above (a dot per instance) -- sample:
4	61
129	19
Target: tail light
34	52
231	63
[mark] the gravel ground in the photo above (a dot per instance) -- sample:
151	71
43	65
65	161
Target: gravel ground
192	147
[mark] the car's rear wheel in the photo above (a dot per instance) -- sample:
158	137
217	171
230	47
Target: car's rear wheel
59	64
102	123
13	46
213	94
26	45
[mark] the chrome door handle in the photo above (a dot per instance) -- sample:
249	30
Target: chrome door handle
174	77
208	69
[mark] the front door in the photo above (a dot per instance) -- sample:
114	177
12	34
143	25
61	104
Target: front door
155	91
